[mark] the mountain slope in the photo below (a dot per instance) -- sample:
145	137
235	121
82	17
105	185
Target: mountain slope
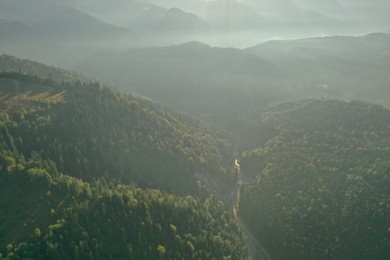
9	63
320	185
347	67
50	215
72	156
133	140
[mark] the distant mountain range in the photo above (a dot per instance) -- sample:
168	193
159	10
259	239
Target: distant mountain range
228	82
86	19
54	20
77	27
328	16
210	81
56	32
161	21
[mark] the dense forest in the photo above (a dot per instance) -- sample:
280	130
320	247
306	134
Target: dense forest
134	141
319	188
48	215
87	172
197	129
116	147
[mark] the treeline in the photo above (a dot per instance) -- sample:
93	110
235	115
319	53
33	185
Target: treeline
321	183
93	132
54	216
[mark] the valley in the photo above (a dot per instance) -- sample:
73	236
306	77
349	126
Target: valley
220	129
75	145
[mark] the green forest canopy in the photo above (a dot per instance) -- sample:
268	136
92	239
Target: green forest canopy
112	144
320	186
90	172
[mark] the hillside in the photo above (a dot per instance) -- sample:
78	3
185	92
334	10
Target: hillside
10	63
196	129
76	162
338	66
50	215
133	140
319	187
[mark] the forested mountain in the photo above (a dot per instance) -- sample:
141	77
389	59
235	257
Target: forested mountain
313	182
318	189
51	130
47	215
197	145
133	140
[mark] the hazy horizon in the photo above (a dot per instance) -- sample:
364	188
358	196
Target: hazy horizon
194	129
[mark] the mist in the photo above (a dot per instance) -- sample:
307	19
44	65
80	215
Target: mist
324	49
222	23
194	129
270	50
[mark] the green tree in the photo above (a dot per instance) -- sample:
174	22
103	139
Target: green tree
37	232
161	250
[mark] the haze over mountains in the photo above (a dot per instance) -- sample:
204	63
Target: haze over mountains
232	84
77	162
194	129
56	19
126	24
